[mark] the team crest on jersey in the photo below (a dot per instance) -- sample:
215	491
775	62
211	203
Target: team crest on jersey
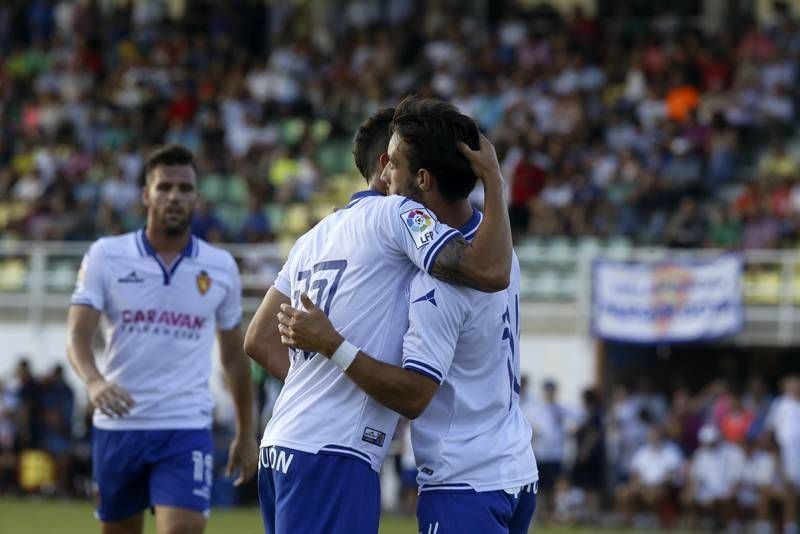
203	282
420	224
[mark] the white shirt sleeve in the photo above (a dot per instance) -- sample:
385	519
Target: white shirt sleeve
283	282
90	285
434	323
411	229
229	311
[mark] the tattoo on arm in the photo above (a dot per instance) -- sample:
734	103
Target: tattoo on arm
449	265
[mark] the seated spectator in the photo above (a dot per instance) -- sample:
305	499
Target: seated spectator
655	473
760	486
713	479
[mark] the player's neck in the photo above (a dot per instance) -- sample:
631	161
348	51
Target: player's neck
453	214
167	246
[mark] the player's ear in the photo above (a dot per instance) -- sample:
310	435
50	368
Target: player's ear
146	194
424	180
383	159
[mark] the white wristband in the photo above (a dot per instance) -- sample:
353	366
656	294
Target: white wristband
344	355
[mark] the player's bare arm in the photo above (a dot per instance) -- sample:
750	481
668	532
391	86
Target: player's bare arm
484	263
406	392
106	396
243	453
262	341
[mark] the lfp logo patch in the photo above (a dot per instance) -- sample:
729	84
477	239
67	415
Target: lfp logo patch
203	282
420	224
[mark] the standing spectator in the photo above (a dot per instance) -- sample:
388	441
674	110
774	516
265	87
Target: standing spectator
58	402
736	423
784	421
27	391
758	400
8	445
588	471
548	421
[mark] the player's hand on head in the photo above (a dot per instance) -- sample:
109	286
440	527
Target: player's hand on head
484	160
242	457
309	330
109	398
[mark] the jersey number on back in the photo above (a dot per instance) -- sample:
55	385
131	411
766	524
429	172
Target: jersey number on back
320	284
509	331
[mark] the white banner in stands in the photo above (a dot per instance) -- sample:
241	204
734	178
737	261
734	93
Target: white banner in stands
668	301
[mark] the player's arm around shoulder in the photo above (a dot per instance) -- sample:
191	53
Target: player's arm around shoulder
262	341
406	392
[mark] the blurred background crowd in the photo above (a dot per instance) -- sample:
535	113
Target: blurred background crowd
721	457
639	122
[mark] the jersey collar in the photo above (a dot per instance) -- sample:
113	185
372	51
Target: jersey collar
361	195
146	249
471	226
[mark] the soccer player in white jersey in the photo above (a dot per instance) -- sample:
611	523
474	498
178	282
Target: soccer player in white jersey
459	378
163	294
324	446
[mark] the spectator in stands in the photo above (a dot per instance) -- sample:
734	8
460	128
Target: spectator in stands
629	424
758	400
548	419
26	392
784	421
57	404
684	421
736	423
655	472
9	460
588	469
713	478
760	486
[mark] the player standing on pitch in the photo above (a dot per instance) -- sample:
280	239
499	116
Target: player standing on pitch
164	295
459	380
324	446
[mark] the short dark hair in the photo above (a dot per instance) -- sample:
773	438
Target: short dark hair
168	155
372	140
431	130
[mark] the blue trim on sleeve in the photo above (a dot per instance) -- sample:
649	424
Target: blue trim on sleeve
433	253
424	368
423	373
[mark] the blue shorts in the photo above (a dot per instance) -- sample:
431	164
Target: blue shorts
309	493
136	469
488	512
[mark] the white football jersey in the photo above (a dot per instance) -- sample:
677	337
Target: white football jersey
355	265
473	434
159	324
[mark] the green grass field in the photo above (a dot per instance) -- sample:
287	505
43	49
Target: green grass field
41	516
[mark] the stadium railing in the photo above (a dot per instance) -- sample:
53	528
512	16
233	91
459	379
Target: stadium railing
37	278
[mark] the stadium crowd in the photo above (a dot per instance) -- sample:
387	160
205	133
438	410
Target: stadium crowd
637	124
716	458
